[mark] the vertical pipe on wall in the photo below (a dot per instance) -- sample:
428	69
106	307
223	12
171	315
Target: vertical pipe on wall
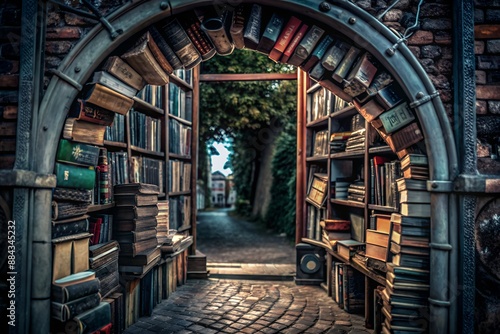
301	156
464	118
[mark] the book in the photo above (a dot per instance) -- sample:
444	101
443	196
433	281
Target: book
107	98
192	26
370	110
306	45
70	255
334	55
140	224
376	252
217	29
335	225
382	222
139	269
63	210
134	248
70	226
77	153
133	236
91	320
410	221
122	71
416	173
347	248
410	240
74	286
135	212
378	238
397	117
73	176
144	58
136	188
361	76
106	79
84	132
411	184
83	111
414	196
237	26
402	138
293	43
251	33
353	290
397	249
135	199
345	65
140	259
389	96
165	49
285	38
410	260
414	159
66	311
317	54
271	33
317	190
416	209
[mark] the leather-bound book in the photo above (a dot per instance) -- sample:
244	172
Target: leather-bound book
167	51
317	54
271	33
389	96
217	29
107	98
334	55
64	312
81	110
345	65
397	117
121	70
77	153
251	34
142	59
317	72
74	286
361	76
177	38
84	132
135	212
72	176
141	224
291	27
90	321
306	45
370	110
403	138
134	248
381	80
237	27
193	29
293	43
106	79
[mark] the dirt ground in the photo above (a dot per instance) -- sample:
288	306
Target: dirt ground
225	238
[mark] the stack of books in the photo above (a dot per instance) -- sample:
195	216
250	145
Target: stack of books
356	192
341	189
163	226
356	141
338	141
405	297
377	240
334	230
103	259
135	226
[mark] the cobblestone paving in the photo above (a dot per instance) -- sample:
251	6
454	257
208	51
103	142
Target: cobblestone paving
237	306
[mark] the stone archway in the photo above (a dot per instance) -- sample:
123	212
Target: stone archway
344	18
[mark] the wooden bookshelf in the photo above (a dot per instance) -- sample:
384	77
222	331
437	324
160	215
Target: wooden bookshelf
100	207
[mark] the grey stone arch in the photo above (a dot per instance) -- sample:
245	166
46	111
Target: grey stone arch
339	16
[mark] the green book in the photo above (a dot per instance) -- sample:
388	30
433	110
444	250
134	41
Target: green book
77	153
397	117
72	176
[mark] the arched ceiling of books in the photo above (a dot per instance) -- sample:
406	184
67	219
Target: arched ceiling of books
386	64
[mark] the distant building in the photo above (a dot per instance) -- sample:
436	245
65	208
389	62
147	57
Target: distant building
218	189
231	191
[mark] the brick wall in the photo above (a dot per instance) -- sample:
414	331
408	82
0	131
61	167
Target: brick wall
10	36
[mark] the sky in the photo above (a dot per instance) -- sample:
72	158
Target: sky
218	161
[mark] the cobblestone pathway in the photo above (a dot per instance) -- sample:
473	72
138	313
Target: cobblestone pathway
235	306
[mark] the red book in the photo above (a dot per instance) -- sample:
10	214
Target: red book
285	38
293	43
95	228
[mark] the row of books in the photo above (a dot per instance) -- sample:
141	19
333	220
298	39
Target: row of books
148	170
321	102
180	138
116	131
153	95
145	131
179	102
179	176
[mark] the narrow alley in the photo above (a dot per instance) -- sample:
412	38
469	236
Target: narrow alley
225	303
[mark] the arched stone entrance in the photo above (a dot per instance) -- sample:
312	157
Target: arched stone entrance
342	17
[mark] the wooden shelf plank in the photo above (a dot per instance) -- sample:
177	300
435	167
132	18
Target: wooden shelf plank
180	82
179	156
180	120
382	208
358	154
147	152
247	77
345	112
318	158
115	144
380	150
179	193
147	108
100	207
347	203
322	121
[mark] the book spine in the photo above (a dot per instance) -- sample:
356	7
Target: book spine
77	153
64	294
361	77
346	64
293	43
106	98
93	114
92	319
180	43
306	45
397	117
271	33
389	96
237	27
334	55
251	34
215	29
194	31
70	176
167	51
285	38
120	69
108	80
64	312
405	137
104	185
318	53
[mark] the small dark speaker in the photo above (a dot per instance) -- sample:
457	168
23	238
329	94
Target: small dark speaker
310	265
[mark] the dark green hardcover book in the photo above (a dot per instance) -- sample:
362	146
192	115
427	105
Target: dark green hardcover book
334	55
71	176
77	153
318	53
66	311
397	117
71	226
65	293
271	33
